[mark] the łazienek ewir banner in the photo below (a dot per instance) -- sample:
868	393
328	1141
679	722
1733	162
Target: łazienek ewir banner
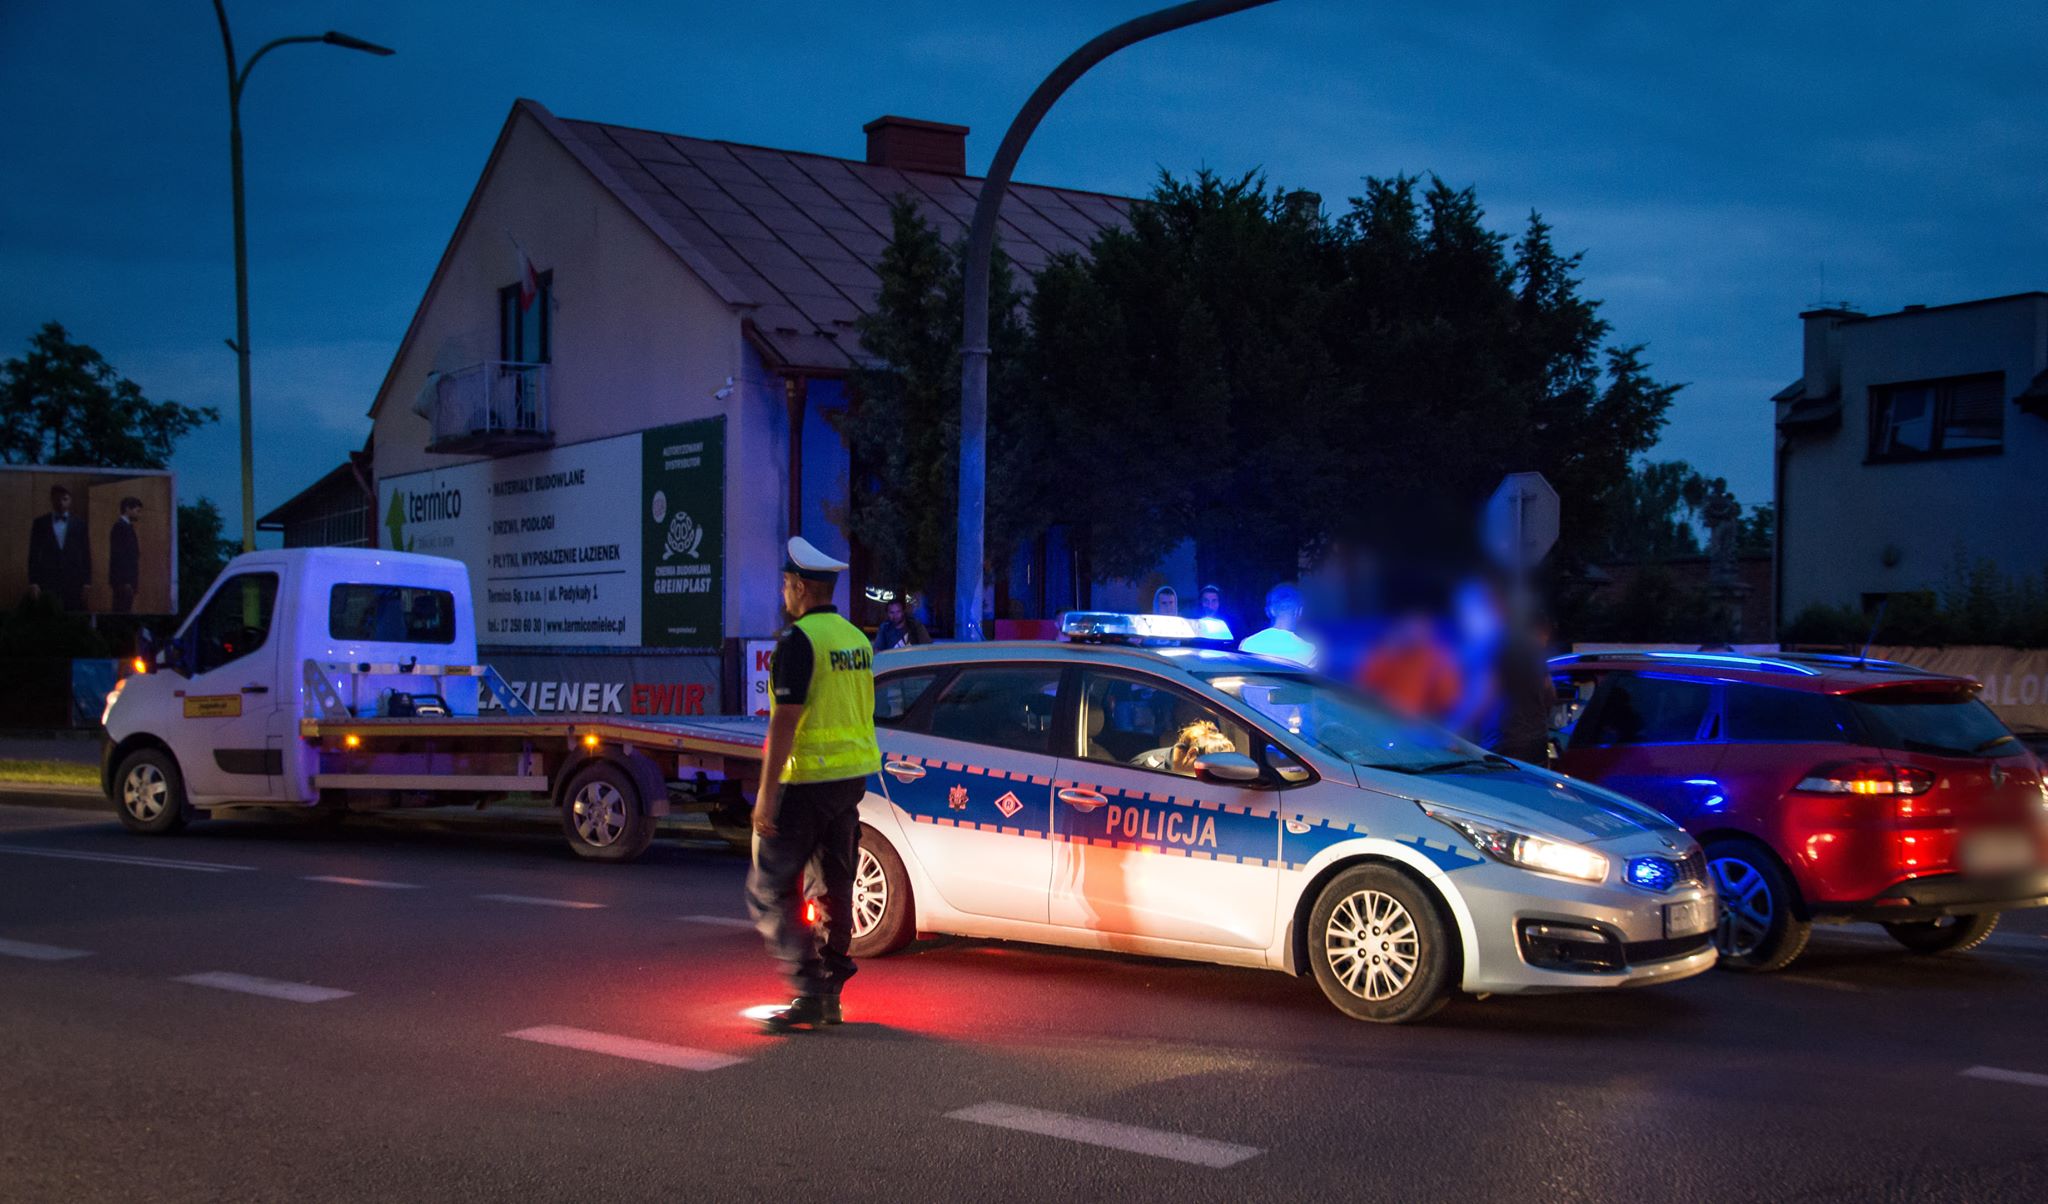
615	543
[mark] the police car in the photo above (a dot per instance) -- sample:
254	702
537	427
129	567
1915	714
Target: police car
1128	789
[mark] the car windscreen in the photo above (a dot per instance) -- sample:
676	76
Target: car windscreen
1948	725
391	614
1346	723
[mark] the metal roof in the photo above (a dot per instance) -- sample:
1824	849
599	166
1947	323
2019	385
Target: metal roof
798	237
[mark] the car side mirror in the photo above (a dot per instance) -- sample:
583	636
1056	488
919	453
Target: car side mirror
172	656
1228	767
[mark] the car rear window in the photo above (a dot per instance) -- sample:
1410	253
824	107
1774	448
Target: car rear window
1945	725
391	614
1768	715
1643	709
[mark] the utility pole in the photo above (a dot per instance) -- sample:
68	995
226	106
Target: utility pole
238	76
981	238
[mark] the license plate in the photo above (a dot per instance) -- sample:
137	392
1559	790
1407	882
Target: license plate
1689	918
1997	852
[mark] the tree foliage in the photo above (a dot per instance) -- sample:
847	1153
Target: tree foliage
63	403
202	551
904	431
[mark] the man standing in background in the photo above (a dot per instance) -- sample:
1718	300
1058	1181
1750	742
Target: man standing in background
124	556
59	553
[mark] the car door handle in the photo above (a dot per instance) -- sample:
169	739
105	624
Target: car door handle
904	771
255	689
1082	800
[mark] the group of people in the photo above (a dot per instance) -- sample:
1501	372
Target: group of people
1281	638
60	555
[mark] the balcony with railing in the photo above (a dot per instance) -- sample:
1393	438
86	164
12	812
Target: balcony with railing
494	408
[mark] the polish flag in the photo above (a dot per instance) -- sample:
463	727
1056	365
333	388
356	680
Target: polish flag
529	277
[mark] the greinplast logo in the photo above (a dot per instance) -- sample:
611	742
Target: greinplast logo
410	507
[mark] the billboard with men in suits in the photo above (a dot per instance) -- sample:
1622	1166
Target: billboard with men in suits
93	540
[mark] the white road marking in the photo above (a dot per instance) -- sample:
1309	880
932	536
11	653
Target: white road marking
719	921
680	1057
249	984
2025	1078
378	884
164	863
538	901
40	953
1132	1138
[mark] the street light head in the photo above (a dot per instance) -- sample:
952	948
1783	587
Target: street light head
333	38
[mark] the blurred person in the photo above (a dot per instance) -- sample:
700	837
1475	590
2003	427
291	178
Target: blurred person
1528	695
1209	605
59	553
1281	640
1412	669
1165	601
899	629
124	556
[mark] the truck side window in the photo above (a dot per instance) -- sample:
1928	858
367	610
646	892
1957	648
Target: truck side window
897	693
235	621
396	614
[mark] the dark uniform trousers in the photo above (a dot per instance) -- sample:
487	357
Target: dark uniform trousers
819	823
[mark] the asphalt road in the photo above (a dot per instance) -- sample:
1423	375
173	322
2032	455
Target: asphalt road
465	1015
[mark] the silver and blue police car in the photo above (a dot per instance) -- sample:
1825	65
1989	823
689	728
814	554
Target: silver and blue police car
1124	791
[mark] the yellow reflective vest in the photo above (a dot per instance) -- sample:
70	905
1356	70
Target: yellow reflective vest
835	736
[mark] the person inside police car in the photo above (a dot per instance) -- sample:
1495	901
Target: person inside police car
815	764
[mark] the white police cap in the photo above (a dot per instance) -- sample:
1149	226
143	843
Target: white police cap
806	561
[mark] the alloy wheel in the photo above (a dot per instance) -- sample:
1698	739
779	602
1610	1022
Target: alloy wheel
1746	906
870	894
145	792
600	811
1372	945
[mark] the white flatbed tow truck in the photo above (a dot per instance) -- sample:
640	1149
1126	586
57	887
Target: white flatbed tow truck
343	679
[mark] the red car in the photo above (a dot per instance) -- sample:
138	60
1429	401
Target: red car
1823	789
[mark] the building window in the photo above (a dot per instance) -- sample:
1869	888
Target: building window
523	331
1958	416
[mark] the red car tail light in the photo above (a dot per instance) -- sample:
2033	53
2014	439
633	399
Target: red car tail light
1866	777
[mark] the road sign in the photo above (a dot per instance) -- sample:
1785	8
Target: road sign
1521	520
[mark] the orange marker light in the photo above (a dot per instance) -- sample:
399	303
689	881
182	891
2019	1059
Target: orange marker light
141	666
352	741
590	741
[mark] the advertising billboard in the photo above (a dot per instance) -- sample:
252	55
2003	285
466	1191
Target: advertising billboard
97	540
615	543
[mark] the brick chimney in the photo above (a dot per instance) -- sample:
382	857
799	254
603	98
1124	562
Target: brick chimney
915	145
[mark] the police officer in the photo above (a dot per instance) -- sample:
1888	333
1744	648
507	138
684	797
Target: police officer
815	765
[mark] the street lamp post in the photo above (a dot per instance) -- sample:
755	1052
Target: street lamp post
238	76
980	249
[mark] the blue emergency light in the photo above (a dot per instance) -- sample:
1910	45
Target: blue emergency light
1112	627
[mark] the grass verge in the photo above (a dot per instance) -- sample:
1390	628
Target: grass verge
48	773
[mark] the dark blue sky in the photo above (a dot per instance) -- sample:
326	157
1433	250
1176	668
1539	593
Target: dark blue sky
1722	167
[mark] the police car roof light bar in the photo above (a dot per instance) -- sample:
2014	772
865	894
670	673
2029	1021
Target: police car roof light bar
1111	627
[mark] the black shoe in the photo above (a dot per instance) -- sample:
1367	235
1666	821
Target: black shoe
831	1005
803	1012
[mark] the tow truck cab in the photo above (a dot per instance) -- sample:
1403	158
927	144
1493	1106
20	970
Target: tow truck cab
227	692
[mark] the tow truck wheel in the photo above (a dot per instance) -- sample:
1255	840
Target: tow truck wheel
603	815
1950	934
883	919
1378	946
149	792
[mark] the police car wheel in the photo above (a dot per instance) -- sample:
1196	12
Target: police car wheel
149	792
603	815
883	918
1378	946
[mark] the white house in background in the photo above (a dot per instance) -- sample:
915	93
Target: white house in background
1912	438
616	399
